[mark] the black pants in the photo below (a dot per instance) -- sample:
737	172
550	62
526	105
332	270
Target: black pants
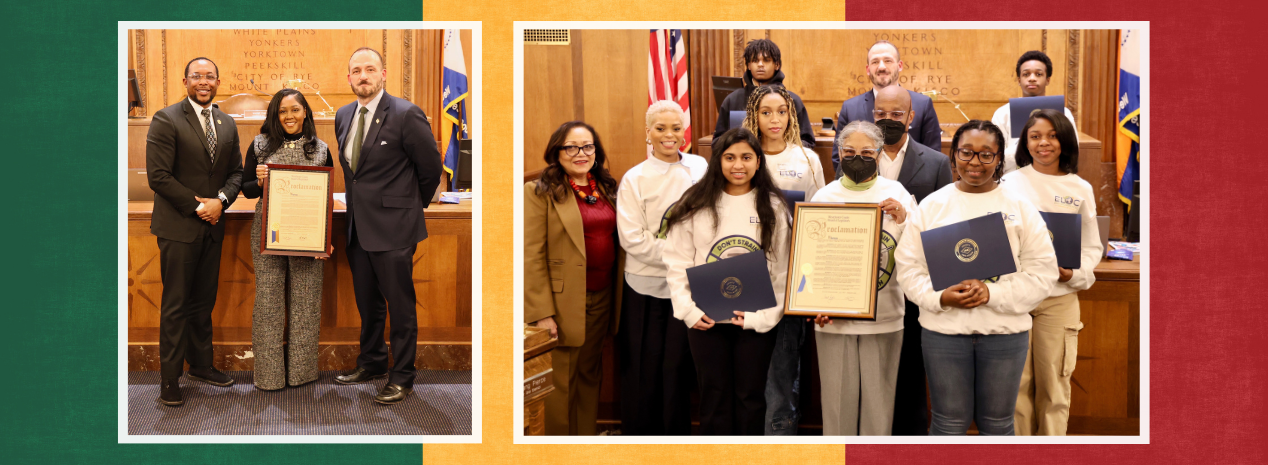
383	283
191	274
910	400
656	374
731	365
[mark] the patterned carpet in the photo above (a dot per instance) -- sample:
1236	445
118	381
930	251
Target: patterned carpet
440	404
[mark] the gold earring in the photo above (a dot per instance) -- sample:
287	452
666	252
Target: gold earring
649	141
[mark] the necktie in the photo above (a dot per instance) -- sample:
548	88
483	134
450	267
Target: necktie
356	140
211	135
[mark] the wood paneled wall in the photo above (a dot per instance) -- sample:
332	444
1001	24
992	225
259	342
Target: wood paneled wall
270	56
600	77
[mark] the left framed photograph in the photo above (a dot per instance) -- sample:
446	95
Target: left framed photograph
287	193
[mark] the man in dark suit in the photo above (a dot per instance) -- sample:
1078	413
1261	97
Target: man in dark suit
883	68
194	164
391	168
921	170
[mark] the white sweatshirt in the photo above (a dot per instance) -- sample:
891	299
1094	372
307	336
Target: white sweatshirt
1013	296
647	190
1063	194
1003	119
796	168
696	242
890	307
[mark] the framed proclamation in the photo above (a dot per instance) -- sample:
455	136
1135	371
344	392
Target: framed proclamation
296	211
833	260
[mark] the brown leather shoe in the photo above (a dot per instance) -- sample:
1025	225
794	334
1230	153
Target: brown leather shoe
392	394
170	394
358	376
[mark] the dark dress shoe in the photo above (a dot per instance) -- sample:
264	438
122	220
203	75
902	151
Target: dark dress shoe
392	394
210	375
358	376
170	394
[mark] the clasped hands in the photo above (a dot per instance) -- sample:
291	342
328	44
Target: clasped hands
706	322
211	209
969	293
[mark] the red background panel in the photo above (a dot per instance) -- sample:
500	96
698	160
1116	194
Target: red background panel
1208	361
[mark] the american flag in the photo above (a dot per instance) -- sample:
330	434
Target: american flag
667	73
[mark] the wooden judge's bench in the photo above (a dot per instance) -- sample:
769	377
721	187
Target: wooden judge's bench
442	279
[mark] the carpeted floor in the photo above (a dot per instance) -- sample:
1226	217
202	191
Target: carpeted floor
439	405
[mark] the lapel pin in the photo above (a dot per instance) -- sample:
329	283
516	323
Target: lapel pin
217	121
376	121
383	143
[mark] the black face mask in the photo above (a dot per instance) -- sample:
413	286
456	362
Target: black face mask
893	130
858	168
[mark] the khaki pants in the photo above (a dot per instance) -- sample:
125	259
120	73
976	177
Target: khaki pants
573	407
1043	400
857	375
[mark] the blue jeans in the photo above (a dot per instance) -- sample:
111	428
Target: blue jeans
973	378
783	381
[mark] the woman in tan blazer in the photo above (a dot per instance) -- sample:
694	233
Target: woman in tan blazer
571	283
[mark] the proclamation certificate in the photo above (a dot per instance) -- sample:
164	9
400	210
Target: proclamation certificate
833	260
296	211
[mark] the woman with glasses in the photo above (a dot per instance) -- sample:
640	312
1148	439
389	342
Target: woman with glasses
1034	73
858	359
570	258
770	116
656	372
1049	161
974	336
287	137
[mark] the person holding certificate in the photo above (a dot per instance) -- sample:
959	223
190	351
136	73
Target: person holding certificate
1049	160
656	375
975	332
770	115
858	359
570	264
287	137
736	209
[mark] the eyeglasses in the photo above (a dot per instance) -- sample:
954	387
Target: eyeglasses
571	150
894	115
200	77
850	153
966	155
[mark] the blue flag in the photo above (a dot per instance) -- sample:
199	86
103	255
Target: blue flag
1128	143
454	95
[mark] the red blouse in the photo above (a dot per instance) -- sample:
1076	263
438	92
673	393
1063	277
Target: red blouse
599	223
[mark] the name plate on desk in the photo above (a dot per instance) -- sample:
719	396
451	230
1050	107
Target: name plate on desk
296	211
832	266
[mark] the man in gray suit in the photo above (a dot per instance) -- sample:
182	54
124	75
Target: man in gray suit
884	67
194	164
921	170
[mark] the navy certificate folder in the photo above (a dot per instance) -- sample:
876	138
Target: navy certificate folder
971	249
736	121
1019	110
738	283
794	196
1067	237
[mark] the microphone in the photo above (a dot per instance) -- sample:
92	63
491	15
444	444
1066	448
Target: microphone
934	93
257	89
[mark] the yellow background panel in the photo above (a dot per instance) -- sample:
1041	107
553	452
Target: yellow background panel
499	186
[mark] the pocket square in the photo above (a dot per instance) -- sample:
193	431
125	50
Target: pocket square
383	143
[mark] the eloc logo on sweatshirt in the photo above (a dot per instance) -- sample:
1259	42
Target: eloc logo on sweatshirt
754	220
1067	201
1008	217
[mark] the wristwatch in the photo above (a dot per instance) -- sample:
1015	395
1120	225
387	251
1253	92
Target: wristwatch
224	201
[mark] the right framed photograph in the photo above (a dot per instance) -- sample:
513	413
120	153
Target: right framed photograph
884	175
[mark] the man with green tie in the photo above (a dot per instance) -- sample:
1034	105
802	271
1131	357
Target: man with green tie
391	167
